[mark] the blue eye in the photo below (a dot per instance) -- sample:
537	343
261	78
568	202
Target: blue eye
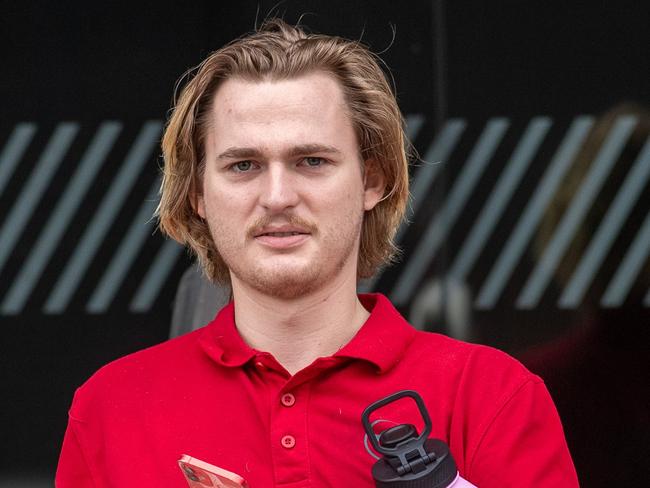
314	162
242	166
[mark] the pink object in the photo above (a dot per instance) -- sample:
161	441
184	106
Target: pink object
200	474
461	482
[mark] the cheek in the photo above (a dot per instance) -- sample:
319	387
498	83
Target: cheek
354	194
343	205
221	206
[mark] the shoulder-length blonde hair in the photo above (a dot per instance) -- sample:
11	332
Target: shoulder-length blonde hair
280	51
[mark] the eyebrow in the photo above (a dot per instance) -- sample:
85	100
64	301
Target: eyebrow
299	150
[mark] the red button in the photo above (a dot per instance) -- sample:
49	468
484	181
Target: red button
288	441
288	400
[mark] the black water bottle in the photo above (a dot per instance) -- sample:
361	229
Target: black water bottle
411	460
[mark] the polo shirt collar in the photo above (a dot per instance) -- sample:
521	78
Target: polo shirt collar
222	342
383	338
381	341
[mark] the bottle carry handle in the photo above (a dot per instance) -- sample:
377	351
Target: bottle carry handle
374	440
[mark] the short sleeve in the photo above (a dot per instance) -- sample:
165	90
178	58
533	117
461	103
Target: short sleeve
73	470
524	444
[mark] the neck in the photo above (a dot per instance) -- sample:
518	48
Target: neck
297	331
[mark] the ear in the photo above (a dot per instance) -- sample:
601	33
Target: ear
374	184
199	206
196	198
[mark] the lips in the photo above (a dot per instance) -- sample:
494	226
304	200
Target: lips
282	236
283	230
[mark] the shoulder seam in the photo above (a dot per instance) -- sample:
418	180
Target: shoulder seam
71	415
532	379
73	425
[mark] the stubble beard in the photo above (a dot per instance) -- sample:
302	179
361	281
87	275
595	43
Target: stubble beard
337	247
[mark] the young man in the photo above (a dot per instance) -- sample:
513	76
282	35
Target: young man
286	173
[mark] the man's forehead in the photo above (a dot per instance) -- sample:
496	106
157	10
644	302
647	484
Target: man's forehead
242	95
291	115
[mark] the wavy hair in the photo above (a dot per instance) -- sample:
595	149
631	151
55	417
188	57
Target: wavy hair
279	51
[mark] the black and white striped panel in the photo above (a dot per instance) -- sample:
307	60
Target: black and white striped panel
512	148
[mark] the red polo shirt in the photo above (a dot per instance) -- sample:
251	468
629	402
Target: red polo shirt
209	395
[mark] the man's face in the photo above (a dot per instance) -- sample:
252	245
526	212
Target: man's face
285	190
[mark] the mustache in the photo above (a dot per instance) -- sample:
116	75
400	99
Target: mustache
284	219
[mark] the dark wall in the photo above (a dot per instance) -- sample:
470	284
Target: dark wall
493	92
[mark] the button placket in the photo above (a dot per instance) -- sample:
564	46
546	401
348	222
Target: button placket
288	400
289	443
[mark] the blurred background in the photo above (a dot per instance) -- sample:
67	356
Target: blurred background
529	221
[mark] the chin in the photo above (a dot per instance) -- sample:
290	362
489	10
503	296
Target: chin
287	279
286	287
289	291
284	283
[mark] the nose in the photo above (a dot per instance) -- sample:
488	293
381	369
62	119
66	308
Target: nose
279	189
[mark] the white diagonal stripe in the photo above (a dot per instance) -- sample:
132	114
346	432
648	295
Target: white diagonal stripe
509	180
413	125
120	187
123	258
155	278
31	193
13	151
441	224
636	256
438	153
581	203
60	218
510	255
608	230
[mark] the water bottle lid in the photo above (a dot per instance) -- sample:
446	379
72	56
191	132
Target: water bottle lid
395	435
440	473
410	460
